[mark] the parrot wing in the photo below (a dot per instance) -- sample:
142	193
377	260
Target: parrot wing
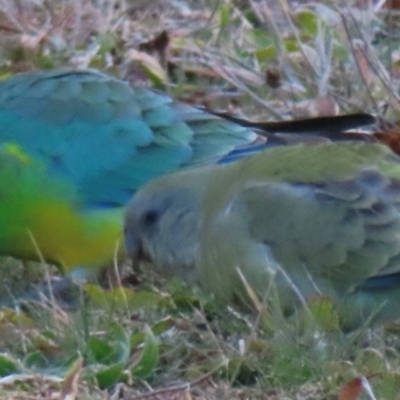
334	230
106	136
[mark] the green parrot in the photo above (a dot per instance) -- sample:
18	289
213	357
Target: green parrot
303	220
75	145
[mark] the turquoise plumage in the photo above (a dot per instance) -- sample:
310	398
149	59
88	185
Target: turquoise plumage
105	135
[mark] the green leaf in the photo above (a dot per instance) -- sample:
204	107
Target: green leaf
162	326
107	377
36	360
107	42
114	348
8	365
224	15
102	351
291	45
259	37
323	312
265	53
115	352
149	357
307	21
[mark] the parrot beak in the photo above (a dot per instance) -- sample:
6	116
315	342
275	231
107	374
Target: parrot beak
134	247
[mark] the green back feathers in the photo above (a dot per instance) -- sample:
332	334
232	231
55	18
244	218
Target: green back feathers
313	163
298	164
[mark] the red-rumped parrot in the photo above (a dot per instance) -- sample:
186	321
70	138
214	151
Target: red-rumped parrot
311	220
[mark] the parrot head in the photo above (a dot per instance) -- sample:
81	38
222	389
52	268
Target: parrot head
162	224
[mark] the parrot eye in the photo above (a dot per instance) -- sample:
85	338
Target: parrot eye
150	217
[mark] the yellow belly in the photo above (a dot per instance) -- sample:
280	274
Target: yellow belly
42	216
56	232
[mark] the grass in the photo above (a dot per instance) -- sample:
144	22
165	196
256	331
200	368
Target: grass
263	61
